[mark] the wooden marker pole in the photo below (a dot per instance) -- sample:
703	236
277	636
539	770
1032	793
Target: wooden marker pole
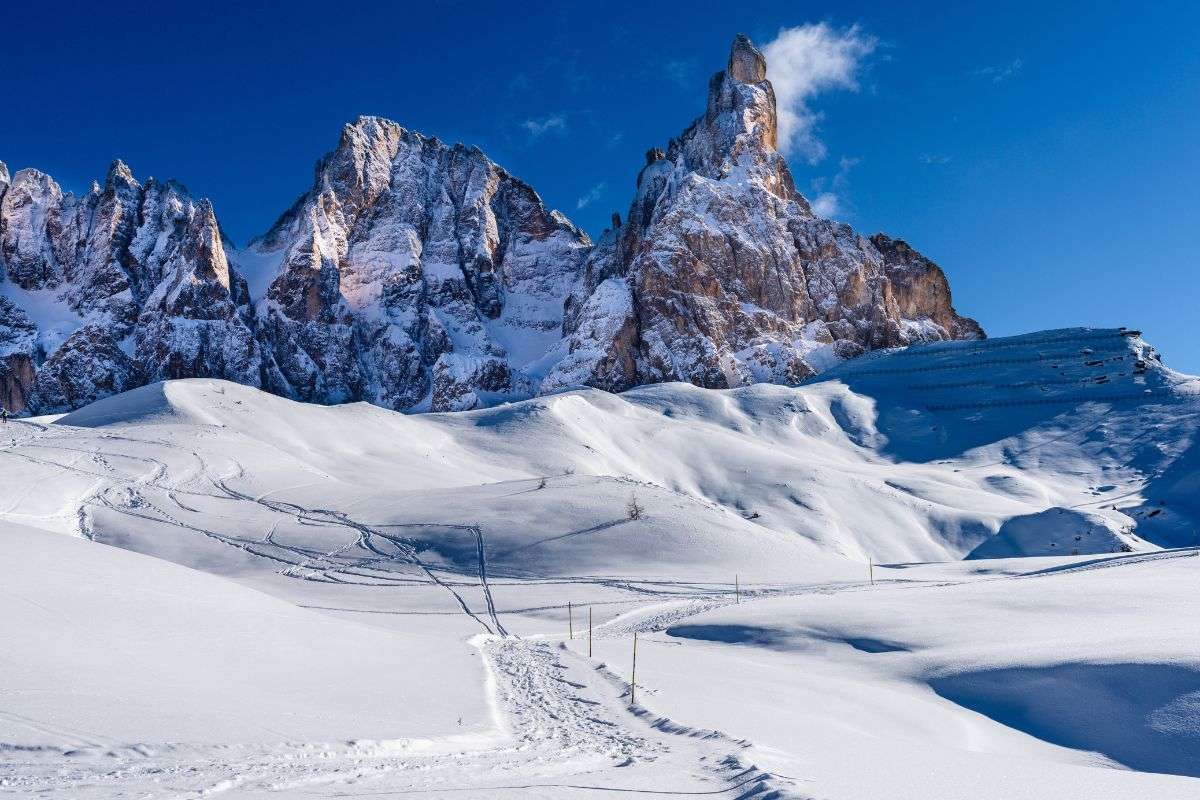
737	589
589	631
871	568
633	675
570	621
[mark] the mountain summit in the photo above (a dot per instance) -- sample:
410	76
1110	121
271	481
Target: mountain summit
721	275
419	276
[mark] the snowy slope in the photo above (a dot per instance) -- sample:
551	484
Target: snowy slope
394	553
861	463
1024	683
106	649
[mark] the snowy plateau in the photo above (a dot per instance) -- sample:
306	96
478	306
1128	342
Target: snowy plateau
387	503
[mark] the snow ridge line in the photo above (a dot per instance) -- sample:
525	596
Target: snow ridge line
933	349
986	362
1124	560
1046	401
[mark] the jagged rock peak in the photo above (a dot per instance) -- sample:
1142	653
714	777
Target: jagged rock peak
140	267
420	275
746	63
119	173
414	274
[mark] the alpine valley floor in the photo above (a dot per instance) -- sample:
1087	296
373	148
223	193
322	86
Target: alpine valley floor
206	590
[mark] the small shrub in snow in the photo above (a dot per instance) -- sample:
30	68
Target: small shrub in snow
633	509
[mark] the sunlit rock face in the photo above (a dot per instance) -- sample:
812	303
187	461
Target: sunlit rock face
416	275
721	274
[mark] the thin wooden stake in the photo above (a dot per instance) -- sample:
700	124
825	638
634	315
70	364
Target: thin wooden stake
633	675
589	631
570	621
737	589
871	567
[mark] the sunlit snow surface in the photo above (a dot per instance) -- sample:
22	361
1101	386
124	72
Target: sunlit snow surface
346	601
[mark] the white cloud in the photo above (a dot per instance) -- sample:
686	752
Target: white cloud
1000	73
537	127
804	61
591	195
683	72
826	205
934	159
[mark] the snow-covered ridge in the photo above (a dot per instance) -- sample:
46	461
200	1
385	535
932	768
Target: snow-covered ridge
863	461
419	275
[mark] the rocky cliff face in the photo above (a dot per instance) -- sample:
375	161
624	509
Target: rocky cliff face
105	291
721	275
421	276
415	275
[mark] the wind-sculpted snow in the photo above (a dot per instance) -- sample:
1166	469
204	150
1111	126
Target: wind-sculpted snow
916	454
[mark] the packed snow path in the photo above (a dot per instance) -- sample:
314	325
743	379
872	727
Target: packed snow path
564	728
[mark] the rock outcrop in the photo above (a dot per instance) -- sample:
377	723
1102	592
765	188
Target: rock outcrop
419	275
104	291
722	275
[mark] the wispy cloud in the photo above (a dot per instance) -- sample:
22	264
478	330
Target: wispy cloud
803	62
1001	72
683	72
591	195
539	127
829	202
936	159
826	205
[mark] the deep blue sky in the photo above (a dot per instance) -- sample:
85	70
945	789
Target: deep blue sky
1045	156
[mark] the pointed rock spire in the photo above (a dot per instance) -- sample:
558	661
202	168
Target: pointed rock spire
746	63
673	300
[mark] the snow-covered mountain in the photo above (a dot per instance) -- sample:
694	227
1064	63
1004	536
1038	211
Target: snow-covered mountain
413	275
422	276
107	291
722	276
